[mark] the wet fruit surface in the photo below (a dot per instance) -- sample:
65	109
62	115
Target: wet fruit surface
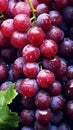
36	53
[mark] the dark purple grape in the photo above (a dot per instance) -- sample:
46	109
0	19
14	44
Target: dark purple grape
27	117
36	54
61	3
65	48
8	54
69	88
70	72
52	127
57	103
57	118
4	41
28	102
46	1
68	13
63	25
27	128
69	109
61	72
15	75
43	116
3	73
55	17
42	100
52	64
38	126
71	33
64	126
56	88
54	33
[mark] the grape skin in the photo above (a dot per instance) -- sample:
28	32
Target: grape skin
36	52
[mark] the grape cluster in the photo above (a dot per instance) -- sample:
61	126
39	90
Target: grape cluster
36	52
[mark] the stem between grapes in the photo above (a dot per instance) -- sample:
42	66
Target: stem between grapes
41	67
2	15
33	10
40	64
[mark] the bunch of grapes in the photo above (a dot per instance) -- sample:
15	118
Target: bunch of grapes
36	52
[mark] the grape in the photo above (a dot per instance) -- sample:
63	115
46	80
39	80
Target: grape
21	8
71	33
56	88
70	72
42	100
57	118
16	75
31	69
65	48
52	64
3	5
53	127
42	1
4	41
64	126
31	53
3	73
7	27
45	78
44	21
57	103
55	17
34	2
27	117
29	87
38	126
36	54
35	36
27	128
18	65
62	70
21	22
42	8
49	48
69	109
69	89
54	33
5	85
17	84
61	3
43	116
67	13
28	102
18	40
8	53
9	11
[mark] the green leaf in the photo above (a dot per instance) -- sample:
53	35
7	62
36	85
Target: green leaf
8	119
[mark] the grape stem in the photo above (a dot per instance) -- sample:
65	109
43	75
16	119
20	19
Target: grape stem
33	10
41	67
40	64
2	15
